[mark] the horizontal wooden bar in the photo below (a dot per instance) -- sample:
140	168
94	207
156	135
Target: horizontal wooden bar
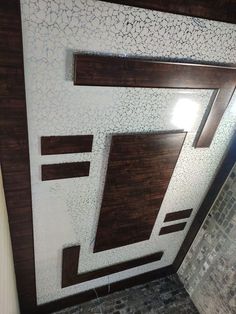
172	228
135	72
70	260
182	214
65	170
219	10
51	145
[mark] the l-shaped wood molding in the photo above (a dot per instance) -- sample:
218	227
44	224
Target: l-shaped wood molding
219	10
96	70
70	261
14	155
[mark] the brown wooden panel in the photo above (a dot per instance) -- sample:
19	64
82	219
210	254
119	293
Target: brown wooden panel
14	153
70	260
128	72
172	228
65	170
219	10
178	215
51	145
139	170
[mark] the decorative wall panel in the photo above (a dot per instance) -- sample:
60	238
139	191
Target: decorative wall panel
139	170
53	31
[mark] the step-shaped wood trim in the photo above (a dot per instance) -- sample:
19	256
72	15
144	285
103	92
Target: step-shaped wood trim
70	261
181	214
65	170
52	145
219	10
172	228
139	170
133	72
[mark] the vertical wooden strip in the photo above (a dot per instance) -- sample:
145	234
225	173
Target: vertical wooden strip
15	152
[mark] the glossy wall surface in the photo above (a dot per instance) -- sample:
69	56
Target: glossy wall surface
66	212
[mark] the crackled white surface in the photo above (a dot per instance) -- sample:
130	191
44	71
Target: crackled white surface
65	212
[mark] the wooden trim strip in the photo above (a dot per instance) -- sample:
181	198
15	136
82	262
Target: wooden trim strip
182	214
227	164
133	72
70	260
173	228
219	10
65	170
51	145
14	152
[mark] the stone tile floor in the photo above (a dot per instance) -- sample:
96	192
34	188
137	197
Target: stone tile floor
163	296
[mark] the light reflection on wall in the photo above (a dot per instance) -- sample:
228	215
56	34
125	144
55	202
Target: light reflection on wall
185	113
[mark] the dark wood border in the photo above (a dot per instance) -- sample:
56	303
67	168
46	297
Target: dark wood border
15	152
16	176
70	261
216	185
96	70
219	10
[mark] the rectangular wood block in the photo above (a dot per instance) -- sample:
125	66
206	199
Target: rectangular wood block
65	170
51	145
139	170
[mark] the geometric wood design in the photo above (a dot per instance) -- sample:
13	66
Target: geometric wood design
219	10
15	168
139	170
172	228
70	260
178	215
133	72
51	145
65	170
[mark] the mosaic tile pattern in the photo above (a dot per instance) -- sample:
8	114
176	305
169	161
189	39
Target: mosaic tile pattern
164	296
209	269
66	212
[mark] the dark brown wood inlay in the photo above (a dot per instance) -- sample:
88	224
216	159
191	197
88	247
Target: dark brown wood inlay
51	145
182	214
219	10
65	170
14	153
70	260
172	228
131	72
139	170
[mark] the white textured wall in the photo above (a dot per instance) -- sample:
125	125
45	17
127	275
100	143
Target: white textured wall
8	294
